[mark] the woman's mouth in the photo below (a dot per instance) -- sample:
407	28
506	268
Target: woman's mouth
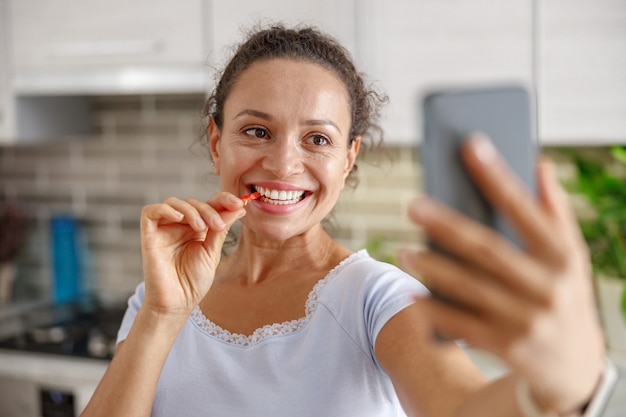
279	197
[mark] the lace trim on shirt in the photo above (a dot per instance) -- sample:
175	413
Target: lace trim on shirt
275	329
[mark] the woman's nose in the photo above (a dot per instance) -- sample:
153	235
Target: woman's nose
284	158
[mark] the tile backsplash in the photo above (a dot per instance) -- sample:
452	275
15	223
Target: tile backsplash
145	149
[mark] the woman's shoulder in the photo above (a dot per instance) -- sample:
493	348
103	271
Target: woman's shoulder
361	273
362	294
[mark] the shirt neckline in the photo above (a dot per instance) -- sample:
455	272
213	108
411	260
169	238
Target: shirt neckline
275	329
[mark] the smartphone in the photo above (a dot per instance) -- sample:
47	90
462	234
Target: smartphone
505	114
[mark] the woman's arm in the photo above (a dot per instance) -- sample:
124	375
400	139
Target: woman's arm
129	384
436	378
181	243
533	308
432	379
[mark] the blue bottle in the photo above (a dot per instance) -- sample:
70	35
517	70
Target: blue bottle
66	259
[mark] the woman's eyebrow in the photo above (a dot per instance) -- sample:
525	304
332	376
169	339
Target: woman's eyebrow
322	122
256	113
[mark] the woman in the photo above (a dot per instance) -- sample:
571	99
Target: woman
293	323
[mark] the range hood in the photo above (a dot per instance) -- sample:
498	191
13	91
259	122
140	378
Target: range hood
52	66
57	104
125	80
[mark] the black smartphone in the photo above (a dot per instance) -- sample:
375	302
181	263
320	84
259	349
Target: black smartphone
506	115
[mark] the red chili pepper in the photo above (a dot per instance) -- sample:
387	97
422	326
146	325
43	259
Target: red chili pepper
248	198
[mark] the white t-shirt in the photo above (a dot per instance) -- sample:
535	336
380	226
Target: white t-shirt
320	365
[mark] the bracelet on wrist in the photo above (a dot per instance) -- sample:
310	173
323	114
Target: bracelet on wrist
593	408
604	390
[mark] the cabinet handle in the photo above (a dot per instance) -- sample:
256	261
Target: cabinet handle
105	48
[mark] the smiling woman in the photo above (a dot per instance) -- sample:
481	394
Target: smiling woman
291	322
285	130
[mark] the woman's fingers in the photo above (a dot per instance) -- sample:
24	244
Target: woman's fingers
471	292
471	289
480	248
162	213
456	324
556	205
213	214
509	196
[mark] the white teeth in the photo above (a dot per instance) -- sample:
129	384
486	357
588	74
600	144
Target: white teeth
280	197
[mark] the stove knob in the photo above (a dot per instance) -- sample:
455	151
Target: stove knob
97	344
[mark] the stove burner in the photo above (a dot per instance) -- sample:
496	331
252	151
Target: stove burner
73	330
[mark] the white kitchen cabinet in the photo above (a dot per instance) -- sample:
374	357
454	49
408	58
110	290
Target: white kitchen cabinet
88	33
74	46
231	19
582	72
6	115
409	47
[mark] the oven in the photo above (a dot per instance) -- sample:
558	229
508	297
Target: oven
53	357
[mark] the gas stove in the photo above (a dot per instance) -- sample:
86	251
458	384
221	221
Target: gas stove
83	329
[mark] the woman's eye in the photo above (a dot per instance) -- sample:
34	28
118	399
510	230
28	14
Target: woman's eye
256	132
319	140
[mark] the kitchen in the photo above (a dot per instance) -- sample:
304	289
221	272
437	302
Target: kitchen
137	75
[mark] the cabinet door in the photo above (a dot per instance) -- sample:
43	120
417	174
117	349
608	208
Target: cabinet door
5	116
231	19
582	76
61	34
408	47
6	111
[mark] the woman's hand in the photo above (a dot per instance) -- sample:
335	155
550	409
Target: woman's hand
535	309
181	244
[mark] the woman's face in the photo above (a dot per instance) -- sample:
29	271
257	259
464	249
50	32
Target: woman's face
285	134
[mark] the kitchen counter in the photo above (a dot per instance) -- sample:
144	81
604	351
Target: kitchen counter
24	373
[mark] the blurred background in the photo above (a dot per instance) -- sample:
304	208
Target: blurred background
101	113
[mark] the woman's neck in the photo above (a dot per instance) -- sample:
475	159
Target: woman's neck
256	259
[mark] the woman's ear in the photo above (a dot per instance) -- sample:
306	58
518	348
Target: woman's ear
353	152
213	133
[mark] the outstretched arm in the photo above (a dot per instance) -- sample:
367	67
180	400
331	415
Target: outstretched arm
534	308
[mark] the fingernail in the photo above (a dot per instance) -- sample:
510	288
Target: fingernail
200	224
421	209
482	147
218	223
233	199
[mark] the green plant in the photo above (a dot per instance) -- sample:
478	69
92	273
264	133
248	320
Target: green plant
376	247
605	231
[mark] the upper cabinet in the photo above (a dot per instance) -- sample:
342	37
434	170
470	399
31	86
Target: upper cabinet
582	72
231	19
68	46
4	91
411	49
572	52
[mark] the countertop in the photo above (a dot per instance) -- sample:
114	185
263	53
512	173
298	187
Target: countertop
78	375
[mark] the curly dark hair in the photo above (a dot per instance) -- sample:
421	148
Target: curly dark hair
311	45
